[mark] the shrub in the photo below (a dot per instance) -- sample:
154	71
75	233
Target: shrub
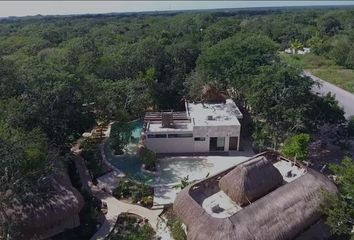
297	146
136	196
178	232
122	190
129	227
147	201
351	126
138	192
120	136
339	208
183	183
174	224
148	157
92	156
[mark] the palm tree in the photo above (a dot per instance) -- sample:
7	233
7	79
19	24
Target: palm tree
184	183
296	45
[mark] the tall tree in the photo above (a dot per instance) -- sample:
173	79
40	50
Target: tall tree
280	98
339	209
233	61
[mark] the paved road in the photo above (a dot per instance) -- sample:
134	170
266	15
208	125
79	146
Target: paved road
345	98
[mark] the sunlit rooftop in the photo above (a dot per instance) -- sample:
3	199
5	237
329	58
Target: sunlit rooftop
214	114
220	205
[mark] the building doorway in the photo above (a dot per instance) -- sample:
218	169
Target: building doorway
233	144
217	144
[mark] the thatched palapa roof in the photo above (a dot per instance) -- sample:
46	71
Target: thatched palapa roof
281	214
42	217
211	94
251	180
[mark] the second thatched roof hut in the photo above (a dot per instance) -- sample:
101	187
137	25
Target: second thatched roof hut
251	180
287	212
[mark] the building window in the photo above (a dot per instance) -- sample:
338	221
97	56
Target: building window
157	135
184	135
199	139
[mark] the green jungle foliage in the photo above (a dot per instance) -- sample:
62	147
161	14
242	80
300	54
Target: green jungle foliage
297	146
130	227
61	75
339	209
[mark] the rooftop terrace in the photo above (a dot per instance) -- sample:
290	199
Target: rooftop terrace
215	114
177	127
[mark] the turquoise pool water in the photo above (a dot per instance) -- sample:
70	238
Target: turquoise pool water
129	162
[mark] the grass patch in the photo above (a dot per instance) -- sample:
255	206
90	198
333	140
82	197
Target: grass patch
343	78
323	68
308	61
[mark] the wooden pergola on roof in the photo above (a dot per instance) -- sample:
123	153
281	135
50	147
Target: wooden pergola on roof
281	214
157	116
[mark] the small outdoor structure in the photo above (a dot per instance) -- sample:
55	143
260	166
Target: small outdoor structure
203	127
302	51
251	180
282	208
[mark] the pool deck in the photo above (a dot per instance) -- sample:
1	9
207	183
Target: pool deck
173	169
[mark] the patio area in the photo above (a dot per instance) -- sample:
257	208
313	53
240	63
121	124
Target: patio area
173	169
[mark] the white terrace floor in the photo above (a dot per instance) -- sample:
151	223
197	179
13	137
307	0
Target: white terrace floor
172	169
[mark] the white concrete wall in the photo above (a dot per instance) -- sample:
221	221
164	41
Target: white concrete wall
227	143
170	145
201	146
214	131
180	145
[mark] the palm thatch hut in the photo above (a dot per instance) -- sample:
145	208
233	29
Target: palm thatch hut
213	95
283	214
251	180
48	215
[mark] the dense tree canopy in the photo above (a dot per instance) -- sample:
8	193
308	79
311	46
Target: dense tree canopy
234	60
59	76
339	209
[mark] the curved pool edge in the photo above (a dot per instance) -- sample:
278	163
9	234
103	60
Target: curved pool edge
104	158
135	174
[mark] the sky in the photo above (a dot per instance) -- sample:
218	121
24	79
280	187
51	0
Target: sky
27	8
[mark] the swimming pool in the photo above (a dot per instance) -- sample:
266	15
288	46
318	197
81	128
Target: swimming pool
129	162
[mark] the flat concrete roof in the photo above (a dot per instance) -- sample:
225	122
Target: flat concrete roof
219	205
178	128
200	114
214	114
289	171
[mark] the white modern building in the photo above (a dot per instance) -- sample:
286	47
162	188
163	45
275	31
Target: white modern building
203	127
